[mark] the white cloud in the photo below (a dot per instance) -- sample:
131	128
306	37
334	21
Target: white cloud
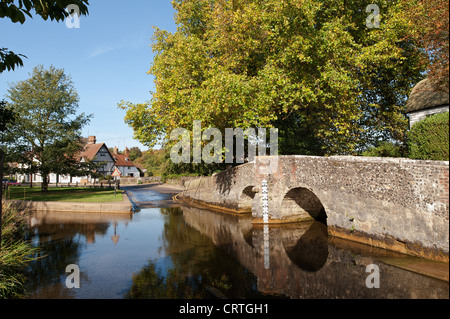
135	41
102	50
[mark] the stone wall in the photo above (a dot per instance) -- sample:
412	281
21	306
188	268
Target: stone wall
394	203
231	189
127	180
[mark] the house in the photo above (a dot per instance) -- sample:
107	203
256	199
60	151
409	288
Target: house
124	163
96	152
425	101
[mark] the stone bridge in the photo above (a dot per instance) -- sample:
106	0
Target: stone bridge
393	203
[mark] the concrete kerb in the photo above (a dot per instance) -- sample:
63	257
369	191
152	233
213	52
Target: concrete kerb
125	206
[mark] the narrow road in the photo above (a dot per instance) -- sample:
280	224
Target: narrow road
152	195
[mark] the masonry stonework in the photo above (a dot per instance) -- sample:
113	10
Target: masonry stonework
393	203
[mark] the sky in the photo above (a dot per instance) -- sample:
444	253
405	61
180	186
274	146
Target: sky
107	57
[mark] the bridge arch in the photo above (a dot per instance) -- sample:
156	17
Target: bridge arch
246	198
302	203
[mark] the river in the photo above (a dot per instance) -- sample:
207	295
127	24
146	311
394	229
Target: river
170	250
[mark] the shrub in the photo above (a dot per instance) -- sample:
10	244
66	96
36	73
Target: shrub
429	138
15	252
386	149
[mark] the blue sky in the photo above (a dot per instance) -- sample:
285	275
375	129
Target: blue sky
107	58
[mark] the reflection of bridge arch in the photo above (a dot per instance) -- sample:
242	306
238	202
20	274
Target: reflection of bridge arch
301	265
300	202
304	246
310	251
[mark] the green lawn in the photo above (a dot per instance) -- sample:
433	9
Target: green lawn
64	194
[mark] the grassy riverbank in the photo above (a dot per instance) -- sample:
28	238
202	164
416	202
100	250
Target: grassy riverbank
15	253
66	194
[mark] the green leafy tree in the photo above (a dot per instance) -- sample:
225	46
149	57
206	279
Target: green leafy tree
311	68
17	11
46	125
386	149
7	118
135	152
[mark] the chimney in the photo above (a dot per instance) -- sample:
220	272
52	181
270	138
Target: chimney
127	152
116	150
92	140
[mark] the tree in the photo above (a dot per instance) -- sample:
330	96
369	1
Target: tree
429	24
46	9
6	118
9	60
46	126
311	68
53	9
135	152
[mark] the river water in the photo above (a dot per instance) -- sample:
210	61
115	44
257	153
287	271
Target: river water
167	250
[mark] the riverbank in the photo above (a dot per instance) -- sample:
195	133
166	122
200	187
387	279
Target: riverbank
126	205
63	194
123	206
158	187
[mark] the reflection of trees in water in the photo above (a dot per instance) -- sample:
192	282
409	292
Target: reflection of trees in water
153	283
59	245
196	264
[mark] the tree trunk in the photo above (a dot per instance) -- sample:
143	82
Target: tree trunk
44	185
2	159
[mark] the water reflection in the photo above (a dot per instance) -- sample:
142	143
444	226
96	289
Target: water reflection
299	261
196	265
188	252
308	251
61	238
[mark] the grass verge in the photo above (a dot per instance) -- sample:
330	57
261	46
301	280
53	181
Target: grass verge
66	194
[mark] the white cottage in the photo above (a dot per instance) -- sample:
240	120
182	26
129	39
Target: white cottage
124	163
97	152
425	101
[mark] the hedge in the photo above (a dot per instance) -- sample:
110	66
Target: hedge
429	138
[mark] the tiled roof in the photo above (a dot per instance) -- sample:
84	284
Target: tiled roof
122	160
90	150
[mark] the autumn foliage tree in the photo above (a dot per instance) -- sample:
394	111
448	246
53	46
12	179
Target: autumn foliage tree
429	23
311	68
